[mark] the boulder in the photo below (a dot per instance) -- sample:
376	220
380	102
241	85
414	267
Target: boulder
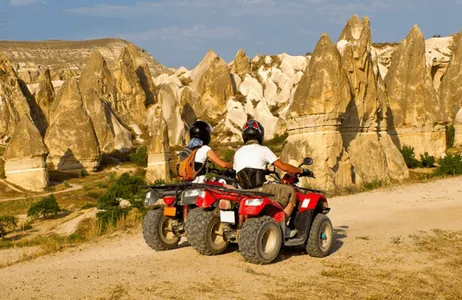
13	103
71	137
315	115
241	63
416	112
450	91
25	157
158	150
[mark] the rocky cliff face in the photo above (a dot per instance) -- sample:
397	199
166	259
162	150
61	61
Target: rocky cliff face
450	91
25	157
415	109
13	103
341	105
70	137
317	110
369	148
66	59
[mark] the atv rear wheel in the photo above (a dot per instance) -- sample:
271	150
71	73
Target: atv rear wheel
205	232
319	242
260	240
157	231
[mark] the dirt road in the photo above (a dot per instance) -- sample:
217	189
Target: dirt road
374	257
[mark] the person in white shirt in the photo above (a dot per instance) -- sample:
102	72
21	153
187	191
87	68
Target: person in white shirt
250	163
199	133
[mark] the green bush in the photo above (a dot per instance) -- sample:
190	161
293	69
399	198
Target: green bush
426	160
47	206
125	187
451	164
7	223
229	155
140	157
409	157
450	134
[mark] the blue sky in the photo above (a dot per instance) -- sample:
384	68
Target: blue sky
179	32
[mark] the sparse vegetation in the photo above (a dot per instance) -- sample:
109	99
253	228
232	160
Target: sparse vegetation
140	157
7	223
409	157
451	164
450	135
427	161
375	184
45	207
125	187
436	35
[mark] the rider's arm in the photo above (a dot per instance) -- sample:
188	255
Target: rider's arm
287	167
214	158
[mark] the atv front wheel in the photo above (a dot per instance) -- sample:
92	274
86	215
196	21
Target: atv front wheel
260	240
319	242
157	231
205	232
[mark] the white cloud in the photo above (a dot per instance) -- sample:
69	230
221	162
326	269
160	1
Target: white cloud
190	38
25	2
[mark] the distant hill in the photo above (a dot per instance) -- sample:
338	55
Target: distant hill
65	58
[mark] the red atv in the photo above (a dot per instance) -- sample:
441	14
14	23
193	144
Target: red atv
256	222
170	205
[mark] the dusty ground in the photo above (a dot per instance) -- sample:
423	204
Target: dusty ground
380	252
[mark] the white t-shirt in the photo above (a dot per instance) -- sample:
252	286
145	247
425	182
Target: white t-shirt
201	157
201	154
253	156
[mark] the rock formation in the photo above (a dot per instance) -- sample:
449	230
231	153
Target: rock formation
98	90
70	137
45	94
13	104
144	75
458	129
171	113
96	75
25	157
211	80
158	150
450	91
131	97
241	63
368	150
416	114
315	115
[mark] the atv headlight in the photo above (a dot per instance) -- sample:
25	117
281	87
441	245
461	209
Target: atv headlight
253	202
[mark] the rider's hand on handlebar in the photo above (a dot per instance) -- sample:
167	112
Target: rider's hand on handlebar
306	173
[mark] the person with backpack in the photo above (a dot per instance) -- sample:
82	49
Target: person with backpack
250	163
193	159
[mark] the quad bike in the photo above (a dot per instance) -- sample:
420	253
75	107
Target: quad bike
170	205
256	222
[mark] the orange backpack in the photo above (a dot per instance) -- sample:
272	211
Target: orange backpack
185	165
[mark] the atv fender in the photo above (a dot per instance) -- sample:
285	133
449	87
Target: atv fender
268	207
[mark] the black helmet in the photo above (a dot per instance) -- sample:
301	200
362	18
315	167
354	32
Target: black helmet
253	130
201	130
